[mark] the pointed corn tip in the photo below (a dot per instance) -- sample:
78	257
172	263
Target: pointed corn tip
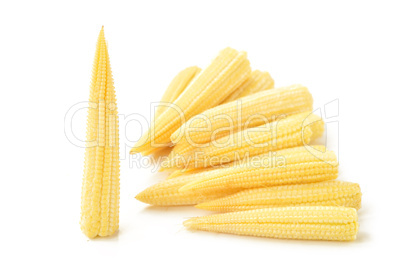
141	197
200	206
188	223
138	197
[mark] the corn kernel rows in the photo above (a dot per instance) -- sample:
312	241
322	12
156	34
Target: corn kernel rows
299	199
101	186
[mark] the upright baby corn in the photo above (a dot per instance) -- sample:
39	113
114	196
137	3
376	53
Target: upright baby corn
258	81
292	131
230	69
328	193
312	222
100	189
252	111
166	193
289	166
176	87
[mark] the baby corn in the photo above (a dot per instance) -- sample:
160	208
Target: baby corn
289	166
311	222
251	111
292	131
328	193
166	193
100	189
227	71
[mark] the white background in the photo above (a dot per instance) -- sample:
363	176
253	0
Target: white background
348	50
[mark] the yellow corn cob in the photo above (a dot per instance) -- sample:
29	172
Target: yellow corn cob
252	111
313	222
292	131
328	193
177	86
226	72
166	193
100	189
257	82
289	166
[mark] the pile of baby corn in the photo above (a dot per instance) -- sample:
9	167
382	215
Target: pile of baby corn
238	146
